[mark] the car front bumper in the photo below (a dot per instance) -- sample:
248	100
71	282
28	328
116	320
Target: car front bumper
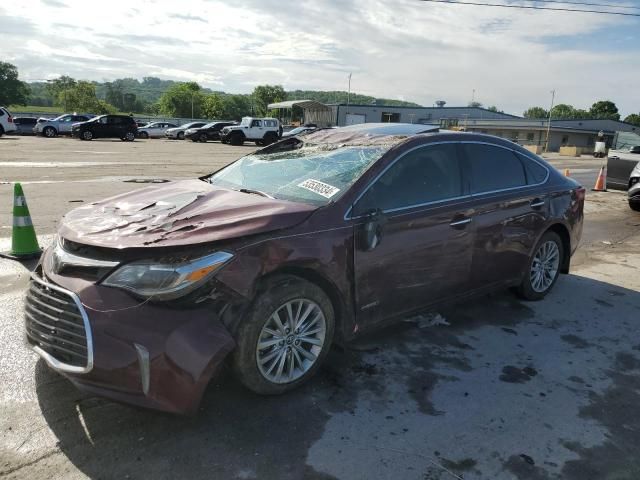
148	354
634	193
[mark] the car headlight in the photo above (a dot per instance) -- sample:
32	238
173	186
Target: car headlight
166	281
633	181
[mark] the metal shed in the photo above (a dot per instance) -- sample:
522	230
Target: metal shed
313	112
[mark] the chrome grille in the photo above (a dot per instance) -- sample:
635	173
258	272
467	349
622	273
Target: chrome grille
57	327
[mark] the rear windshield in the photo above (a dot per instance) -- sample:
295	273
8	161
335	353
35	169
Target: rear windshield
314	174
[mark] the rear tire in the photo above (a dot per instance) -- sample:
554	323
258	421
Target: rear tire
543	268
635	206
49	132
130	136
292	352
269	138
237	139
1	130
180	135
204	138
144	135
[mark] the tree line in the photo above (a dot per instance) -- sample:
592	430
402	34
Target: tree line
602	109
154	96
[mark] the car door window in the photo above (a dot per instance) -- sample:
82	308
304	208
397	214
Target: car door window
104	120
256	123
493	168
428	174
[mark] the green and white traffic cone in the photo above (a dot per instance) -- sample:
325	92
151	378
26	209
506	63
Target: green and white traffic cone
24	243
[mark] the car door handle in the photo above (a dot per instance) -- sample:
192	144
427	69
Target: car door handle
461	222
536	203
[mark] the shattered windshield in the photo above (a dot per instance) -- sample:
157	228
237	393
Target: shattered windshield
313	174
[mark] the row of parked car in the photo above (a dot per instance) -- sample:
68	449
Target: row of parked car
262	131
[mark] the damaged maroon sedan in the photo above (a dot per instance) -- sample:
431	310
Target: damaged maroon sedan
267	262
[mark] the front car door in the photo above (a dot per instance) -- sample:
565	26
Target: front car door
510	211
64	124
101	127
256	129
426	236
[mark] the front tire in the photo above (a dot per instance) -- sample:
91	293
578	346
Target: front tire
87	135
144	135
285	336
635	206
543	268
180	135
49	132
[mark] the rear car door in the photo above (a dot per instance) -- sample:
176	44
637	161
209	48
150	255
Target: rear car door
510	211
117	127
425	244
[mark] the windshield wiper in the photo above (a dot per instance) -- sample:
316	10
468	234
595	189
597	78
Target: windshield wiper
255	192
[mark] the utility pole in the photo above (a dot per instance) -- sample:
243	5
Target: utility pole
473	96
546	143
349	92
191	105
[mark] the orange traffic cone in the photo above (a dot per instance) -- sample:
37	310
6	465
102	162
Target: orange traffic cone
601	181
567	173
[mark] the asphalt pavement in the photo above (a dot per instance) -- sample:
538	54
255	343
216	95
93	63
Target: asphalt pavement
493	388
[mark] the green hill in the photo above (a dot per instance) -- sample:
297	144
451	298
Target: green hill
150	89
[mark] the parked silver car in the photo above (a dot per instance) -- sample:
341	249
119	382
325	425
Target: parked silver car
178	132
154	129
52	127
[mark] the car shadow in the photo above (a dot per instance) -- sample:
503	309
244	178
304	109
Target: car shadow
238	434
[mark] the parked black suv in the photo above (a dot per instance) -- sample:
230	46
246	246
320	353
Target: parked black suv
107	126
210	131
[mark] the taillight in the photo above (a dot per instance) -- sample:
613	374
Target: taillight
580	193
10	119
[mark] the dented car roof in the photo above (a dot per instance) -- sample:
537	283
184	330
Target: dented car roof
369	134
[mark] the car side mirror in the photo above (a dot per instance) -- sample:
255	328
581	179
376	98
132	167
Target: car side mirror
371	232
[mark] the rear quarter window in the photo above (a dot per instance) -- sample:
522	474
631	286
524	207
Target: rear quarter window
535	172
493	168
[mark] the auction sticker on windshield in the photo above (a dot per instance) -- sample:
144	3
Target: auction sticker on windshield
324	189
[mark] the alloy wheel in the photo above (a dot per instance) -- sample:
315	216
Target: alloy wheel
544	267
291	341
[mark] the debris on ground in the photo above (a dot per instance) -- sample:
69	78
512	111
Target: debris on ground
432	320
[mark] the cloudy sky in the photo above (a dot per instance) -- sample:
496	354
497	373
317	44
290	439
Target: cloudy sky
405	49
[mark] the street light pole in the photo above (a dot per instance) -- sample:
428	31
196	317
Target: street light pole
349	92
546	143
191	105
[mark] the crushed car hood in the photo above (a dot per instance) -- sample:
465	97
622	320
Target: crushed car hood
178	213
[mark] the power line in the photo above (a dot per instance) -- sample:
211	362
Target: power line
529	7
607	5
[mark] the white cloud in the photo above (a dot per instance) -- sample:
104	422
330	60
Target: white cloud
402	49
